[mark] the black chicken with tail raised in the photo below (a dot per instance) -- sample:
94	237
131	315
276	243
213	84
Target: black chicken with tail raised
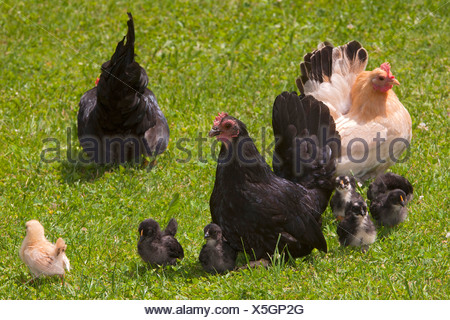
119	120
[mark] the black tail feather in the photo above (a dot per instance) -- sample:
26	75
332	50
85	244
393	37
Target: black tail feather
351	49
123	80
307	143
124	53
318	64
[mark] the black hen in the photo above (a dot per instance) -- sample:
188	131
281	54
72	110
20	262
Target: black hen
216	255
389	194
119	120
159	247
259	210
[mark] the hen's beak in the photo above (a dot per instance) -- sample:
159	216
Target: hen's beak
215	131
342	183
206	235
394	81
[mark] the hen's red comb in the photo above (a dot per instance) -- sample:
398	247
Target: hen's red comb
387	67
219	118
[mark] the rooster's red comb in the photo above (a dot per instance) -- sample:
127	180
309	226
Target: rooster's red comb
219	118
387	67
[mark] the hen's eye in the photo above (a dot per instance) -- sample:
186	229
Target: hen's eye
227	125
381	78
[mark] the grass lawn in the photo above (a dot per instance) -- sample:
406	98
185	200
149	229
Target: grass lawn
203	57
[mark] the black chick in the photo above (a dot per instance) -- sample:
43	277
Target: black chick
389	209
389	194
344	194
159	247
119	120
216	255
260	210
357	229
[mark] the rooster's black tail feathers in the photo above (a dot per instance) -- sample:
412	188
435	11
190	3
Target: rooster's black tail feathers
319	65
123	55
307	143
123	80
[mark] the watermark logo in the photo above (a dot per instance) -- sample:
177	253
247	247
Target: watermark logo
305	150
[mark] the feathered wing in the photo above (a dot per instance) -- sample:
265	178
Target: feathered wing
377	205
328	74
307	143
389	181
258	216
376	188
42	261
395	181
157	137
298	222
173	247
205	255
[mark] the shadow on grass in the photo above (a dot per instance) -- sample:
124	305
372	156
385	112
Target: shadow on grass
186	270
28	280
193	269
78	171
384	232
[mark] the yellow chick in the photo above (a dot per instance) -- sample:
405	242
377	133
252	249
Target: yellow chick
42	256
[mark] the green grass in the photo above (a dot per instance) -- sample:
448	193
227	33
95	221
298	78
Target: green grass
203	57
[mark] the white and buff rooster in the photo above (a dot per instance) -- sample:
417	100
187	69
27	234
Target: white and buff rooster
375	127
42	256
